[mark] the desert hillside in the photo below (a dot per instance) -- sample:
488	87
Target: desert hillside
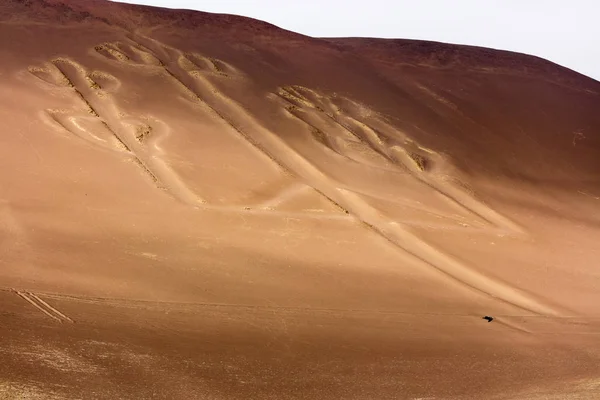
202	206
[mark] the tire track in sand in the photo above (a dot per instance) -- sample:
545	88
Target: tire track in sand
43	306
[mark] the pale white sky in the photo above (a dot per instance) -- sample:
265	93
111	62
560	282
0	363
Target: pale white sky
564	31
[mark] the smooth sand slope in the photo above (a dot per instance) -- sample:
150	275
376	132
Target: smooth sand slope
201	206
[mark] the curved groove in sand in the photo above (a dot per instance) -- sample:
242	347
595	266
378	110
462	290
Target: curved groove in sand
332	144
394	154
104	110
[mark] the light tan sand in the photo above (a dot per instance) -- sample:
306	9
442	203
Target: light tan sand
201	206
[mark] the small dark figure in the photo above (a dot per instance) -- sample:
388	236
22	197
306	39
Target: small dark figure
488	318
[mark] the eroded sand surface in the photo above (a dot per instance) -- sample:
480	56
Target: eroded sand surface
201	206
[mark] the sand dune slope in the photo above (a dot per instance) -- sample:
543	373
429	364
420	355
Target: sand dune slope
204	206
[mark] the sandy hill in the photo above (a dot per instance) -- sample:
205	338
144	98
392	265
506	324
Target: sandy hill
201	206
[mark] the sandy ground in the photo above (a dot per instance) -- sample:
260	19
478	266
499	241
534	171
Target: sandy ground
201	206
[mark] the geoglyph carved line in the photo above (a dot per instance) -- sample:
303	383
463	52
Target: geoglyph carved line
189	72
152	54
120	134
401	237
408	154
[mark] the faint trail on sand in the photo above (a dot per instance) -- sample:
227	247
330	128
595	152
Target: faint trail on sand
43	306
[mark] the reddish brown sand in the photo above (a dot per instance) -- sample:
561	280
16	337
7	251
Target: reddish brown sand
198	206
